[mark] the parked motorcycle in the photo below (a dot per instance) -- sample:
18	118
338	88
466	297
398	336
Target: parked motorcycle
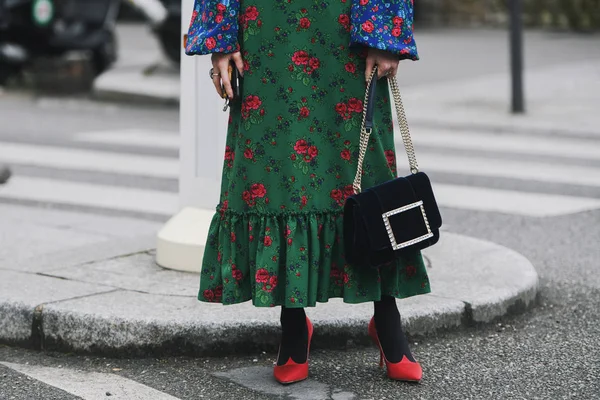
35	29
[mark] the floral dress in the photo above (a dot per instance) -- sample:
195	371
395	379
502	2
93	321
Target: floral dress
292	147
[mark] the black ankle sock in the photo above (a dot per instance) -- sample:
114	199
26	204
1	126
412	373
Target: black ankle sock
389	330
294	336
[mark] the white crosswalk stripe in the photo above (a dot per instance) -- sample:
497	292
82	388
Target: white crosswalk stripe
90	385
431	146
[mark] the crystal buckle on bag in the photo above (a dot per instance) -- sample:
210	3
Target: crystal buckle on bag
386	220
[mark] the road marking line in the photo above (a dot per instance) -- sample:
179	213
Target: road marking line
509	143
89	160
511	202
132	137
91	195
90	385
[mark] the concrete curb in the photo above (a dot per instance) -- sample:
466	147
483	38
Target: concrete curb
128	306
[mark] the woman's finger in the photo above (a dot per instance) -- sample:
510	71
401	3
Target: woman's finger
216	79
223	69
370	62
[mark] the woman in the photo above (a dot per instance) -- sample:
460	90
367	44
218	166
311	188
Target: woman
290	160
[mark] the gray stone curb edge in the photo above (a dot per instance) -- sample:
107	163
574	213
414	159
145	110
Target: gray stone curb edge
473	282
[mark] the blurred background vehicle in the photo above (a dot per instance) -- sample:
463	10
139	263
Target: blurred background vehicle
35	29
164	17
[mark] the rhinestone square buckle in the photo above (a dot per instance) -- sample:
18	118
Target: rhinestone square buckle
386	220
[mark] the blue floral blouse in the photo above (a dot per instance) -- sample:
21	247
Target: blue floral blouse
382	24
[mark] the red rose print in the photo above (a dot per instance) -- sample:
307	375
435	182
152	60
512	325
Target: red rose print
219	256
397	21
350	67
248	153
304	112
262	111
273	281
293	157
194	15
258	190
289	241
262	275
396	32
314	63
344	19
268	241
229	153
237	274
341	108
209	295
288	232
221	8
336	194
233	236
304	200
301	146
218	292
345	154
411	270
346	277
291	68
363	2
253	102
355	105
210	43
390	156
246	196
348	190
307	157
300	57
304	22
251	13
313	151
368	26
219	18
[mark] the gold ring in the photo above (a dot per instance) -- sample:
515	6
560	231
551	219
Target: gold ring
210	73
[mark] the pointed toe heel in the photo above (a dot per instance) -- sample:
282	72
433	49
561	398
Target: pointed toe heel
405	370
291	371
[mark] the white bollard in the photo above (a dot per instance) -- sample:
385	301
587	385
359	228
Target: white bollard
203	128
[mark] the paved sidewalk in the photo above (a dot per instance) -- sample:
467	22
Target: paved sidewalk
80	288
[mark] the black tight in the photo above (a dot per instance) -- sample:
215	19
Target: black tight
294	333
294	336
389	330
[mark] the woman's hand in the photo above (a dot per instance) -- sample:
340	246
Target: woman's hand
220	62
385	61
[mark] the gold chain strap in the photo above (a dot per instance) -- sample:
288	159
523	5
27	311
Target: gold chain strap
366	133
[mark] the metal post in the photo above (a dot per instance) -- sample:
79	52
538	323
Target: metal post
516	55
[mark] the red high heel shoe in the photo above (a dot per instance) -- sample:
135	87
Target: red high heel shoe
405	370
291	371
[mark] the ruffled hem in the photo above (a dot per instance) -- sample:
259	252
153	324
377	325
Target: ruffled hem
294	259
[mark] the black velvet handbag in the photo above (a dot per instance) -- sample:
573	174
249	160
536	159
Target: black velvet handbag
393	218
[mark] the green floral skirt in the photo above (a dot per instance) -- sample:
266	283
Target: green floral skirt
290	160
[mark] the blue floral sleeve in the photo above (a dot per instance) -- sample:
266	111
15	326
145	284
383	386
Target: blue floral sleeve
214	27
385	25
